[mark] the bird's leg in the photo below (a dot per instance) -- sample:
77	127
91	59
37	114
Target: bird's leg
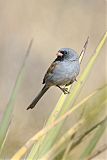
76	80
65	90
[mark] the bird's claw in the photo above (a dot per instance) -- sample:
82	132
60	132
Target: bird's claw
65	90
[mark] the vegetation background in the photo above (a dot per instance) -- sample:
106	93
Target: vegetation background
52	24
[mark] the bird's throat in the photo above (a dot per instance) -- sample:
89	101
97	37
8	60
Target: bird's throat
59	58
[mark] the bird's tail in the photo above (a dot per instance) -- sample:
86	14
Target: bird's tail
38	97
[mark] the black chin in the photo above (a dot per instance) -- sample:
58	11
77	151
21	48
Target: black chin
59	58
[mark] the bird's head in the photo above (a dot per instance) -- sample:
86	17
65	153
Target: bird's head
67	53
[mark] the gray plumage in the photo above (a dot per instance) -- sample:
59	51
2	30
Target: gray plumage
62	72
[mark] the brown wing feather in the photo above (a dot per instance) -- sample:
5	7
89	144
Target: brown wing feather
49	71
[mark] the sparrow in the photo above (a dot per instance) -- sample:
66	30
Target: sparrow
61	73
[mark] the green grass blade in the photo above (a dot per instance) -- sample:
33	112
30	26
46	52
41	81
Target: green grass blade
95	139
50	138
60	147
95	107
96	98
22	151
5	122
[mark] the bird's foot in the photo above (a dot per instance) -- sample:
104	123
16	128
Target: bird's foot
65	90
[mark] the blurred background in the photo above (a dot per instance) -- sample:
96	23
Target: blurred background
53	24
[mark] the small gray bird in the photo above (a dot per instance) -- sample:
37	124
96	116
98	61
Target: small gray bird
62	72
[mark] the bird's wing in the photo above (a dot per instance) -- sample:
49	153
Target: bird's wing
50	71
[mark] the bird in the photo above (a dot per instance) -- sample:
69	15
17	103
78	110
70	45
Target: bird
61	73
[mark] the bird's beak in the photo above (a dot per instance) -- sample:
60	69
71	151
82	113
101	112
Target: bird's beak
59	54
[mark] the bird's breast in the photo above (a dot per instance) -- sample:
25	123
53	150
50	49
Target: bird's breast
65	72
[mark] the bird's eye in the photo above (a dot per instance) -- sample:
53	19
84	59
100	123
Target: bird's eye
65	52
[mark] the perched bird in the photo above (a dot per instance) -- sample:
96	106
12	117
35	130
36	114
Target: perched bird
62	72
